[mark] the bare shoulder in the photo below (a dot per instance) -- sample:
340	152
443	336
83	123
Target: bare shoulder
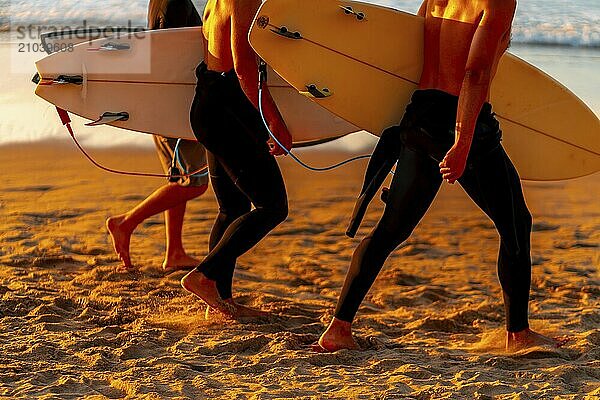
503	5
499	11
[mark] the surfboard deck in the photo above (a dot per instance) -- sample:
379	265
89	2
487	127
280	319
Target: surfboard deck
152	78
367	68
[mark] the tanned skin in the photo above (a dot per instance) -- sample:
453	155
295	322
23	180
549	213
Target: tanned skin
464	41
226	24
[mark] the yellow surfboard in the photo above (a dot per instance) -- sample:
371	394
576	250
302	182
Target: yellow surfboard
362	62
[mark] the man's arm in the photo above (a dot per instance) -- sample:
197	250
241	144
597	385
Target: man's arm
244	58
246	68
156	18
422	9
486	47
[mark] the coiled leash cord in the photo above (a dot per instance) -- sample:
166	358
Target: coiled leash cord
262	79
175	173
173	177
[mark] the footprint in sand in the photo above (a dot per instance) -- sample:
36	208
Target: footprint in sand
17	306
52	261
244	345
403	279
538	260
84	250
426	251
542	226
29	189
538	353
41	218
575	244
16	235
448	325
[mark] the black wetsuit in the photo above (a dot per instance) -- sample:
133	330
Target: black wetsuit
421	141
165	14
242	172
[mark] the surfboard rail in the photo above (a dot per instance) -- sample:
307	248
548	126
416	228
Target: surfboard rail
370	79
158	99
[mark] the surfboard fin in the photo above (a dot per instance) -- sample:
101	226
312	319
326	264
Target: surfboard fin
109	117
283	31
112	46
384	157
313	91
68	79
350	11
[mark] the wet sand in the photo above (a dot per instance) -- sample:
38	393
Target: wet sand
431	328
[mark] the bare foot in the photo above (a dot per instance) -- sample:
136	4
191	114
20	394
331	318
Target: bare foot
527	338
183	262
120	239
206	289
337	336
123	269
211	314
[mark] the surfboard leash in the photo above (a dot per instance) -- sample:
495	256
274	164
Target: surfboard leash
66	121
262	78
175	173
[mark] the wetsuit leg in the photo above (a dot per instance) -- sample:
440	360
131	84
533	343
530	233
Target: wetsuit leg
382	160
256	174
261	181
232	204
228	125
493	183
414	186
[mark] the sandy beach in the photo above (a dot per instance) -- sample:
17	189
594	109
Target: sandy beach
431	328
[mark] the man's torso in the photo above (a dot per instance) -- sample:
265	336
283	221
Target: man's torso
217	31
450	27
218	19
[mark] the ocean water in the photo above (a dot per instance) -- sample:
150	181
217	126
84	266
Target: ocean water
559	36
548	22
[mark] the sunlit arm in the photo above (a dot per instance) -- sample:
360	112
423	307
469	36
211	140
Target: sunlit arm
488	43
422	9
246	68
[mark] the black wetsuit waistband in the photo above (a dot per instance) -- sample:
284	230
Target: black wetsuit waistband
443	99
202	70
220	93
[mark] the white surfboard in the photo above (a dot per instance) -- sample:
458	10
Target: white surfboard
363	62
149	78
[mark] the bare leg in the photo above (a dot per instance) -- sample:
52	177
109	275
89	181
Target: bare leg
527	338
232	205
122	226
337	336
175	257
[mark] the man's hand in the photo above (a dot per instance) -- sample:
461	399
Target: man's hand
453	165
284	137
